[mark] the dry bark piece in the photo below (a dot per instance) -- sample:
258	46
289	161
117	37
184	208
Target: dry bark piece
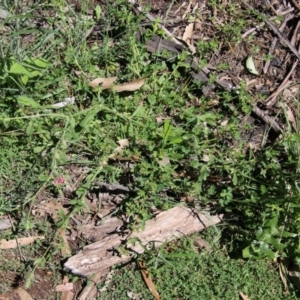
166	226
99	232
4	244
23	295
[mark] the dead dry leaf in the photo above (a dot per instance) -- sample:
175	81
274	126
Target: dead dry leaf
283	266
23	295
65	250
67	296
200	243
290	116
4	244
123	143
244	297
149	281
66	101
51	207
188	33
130	86
64	287
105	83
205	158
164	161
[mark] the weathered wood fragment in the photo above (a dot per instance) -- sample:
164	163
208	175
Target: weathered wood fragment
166	226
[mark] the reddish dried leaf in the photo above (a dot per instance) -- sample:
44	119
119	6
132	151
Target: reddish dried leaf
130	86
188	33
105	83
149	281
64	287
67	296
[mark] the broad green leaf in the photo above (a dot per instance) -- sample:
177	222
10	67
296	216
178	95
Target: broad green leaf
88	118
72	121
18	69
38	149
289	234
272	222
24	100
263	189
234	180
175	140
246	253
167	129
29	128
35	73
139	112
24	79
38	62
167	126
43	177
98	12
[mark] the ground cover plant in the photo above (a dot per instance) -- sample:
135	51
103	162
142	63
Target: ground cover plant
84	103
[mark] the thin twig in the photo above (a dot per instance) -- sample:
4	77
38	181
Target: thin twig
271	100
248	32
273	45
296	4
17	241
275	29
267	119
113	186
151	18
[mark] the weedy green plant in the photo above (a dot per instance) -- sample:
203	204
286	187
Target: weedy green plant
182	148
180	270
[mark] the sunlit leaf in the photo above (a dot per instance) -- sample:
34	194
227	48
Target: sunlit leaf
250	66
24	100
